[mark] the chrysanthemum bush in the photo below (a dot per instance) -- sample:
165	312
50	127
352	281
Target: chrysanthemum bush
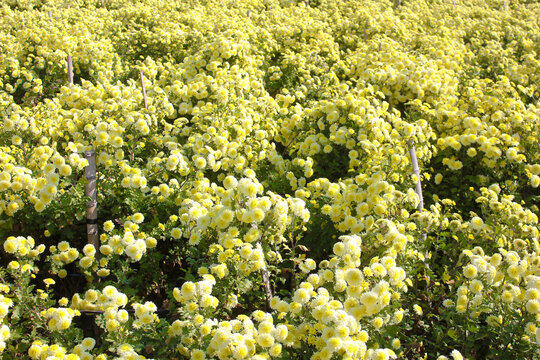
261	201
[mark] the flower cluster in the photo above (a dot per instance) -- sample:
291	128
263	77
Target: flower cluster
23	247
259	168
40	350
60	318
145	314
5	304
108	298
132	242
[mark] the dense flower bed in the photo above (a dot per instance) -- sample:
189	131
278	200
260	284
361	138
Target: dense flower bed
259	199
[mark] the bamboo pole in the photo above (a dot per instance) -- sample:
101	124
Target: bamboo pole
91	191
144	91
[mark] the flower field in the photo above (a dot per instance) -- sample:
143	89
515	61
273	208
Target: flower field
322	179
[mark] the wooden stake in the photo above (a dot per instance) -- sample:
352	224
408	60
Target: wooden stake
365	35
144	91
265	276
50	14
91	191
249	14
414	161
70	69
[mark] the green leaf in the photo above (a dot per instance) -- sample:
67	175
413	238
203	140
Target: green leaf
472	328
16	313
453	334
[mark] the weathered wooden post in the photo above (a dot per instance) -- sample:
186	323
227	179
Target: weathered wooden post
70	69
416	169
144	91
91	205
91	177
265	276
